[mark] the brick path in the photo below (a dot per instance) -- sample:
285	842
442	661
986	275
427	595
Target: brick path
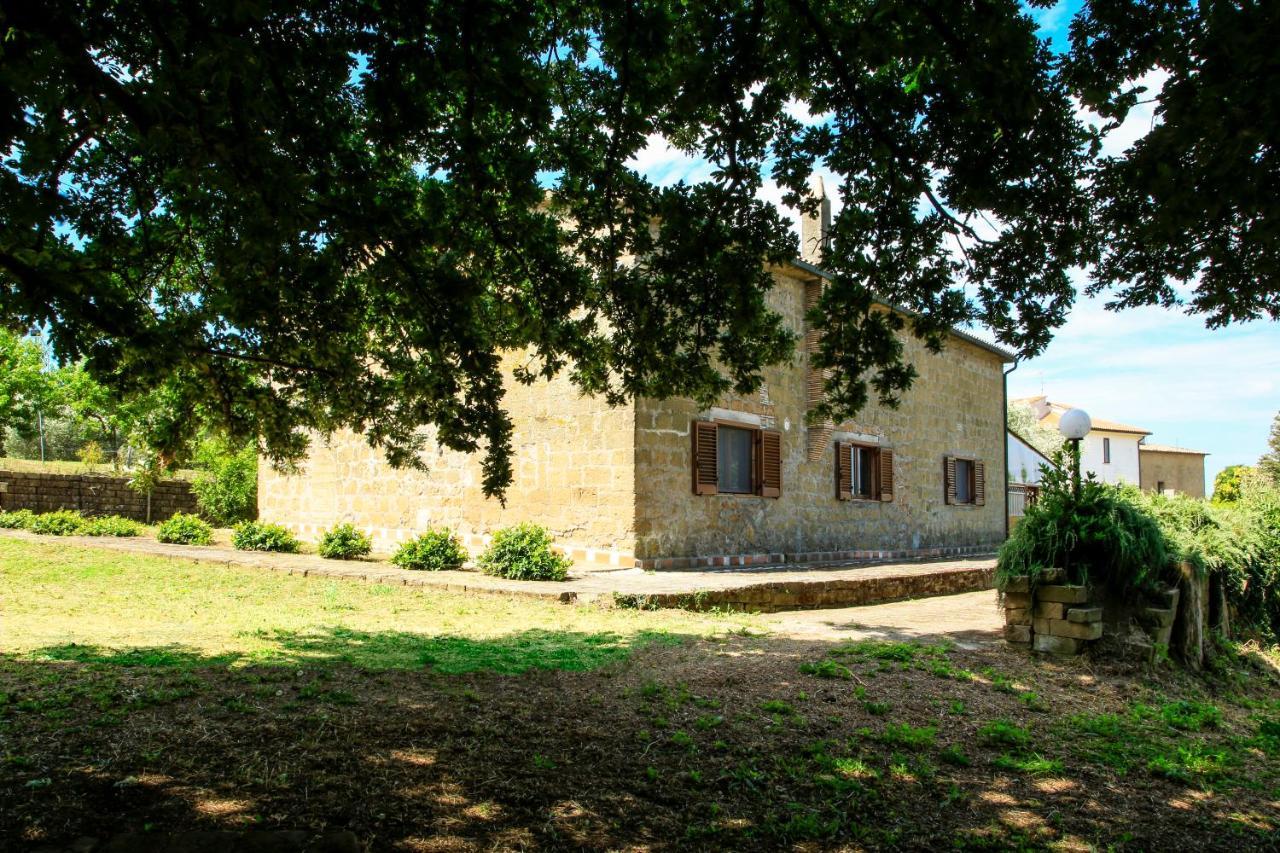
763	589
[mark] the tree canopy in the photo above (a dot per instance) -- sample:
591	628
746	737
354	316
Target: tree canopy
318	214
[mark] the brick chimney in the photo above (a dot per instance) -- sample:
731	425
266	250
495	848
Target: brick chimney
814	226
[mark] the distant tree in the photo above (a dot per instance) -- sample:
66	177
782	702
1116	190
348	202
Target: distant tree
1022	420
1269	463
1226	486
26	388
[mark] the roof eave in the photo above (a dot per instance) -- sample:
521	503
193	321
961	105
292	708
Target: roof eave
1004	355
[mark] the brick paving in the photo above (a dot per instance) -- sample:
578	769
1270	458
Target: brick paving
764	589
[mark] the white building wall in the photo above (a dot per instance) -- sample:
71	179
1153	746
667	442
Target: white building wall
1123	467
1024	461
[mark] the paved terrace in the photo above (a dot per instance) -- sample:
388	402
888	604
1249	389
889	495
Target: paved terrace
763	589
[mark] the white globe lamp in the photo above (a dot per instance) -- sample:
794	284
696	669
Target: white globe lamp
1075	424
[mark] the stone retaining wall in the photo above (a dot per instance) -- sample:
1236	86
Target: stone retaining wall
1057	618
92	494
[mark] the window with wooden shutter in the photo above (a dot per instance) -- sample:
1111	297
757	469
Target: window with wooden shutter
705	468
770	459
966	481
861	472
844	472
885	466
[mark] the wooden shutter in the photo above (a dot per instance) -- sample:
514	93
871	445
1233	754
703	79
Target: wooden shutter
884	464
706	476
949	478
979	483
769	481
844	472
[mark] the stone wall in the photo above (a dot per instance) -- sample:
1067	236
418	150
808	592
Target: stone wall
573	467
1183	472
93	494
954	408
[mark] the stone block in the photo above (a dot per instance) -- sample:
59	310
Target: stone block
1019	634
1017	616
1084	614
1063	593
1049	644
1017	600
1022	585
1050	610
1156	617
1074	630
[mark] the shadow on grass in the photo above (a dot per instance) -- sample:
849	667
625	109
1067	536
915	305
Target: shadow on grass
508	654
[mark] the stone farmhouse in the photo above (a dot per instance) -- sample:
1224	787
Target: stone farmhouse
664	484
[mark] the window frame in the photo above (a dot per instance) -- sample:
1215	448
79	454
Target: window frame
878	457
766	452
950	487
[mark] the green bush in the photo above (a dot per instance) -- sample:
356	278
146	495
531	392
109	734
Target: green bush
226	483
260	536
63	522
433	551
1100	537
344	542
184	529
523	552
110	525
19	519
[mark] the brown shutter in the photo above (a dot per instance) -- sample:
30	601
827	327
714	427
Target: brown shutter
705	472
979	483
844	472
770	456
884	463
949	478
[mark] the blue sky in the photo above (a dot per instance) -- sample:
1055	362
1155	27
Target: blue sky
1211	390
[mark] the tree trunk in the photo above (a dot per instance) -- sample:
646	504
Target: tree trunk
1190	626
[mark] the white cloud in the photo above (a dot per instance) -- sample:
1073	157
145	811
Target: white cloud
664	164
1139	121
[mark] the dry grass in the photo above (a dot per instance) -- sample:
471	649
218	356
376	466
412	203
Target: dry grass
57	466
399	715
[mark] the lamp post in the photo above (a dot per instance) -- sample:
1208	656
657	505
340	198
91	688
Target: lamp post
1075	425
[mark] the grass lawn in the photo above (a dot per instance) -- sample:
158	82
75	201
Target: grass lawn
58	466
142	695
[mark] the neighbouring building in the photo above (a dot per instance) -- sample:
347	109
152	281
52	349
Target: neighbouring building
1110	450
1167	469
1025	464
667	484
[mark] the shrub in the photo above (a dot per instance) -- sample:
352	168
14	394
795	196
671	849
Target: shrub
259	536
110	525
185	529
433	551
1100	537
63	522
226	485
344	542
19	519
523	553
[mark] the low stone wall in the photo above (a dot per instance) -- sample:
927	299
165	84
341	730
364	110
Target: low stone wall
92	494
1066	619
